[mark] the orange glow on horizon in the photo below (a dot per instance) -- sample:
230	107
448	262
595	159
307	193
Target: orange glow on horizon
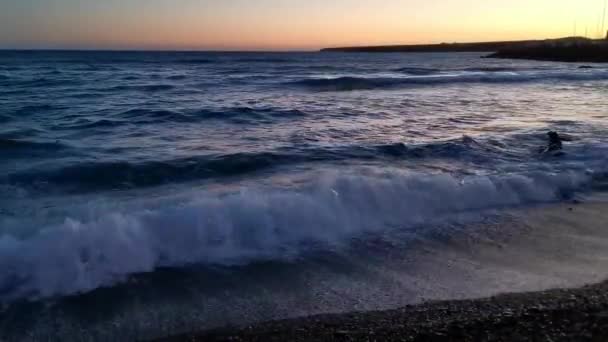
291	25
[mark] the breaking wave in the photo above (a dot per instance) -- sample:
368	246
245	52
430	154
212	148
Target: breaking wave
149	88
117	174
20	145
238	114
370	83
254	224
418	71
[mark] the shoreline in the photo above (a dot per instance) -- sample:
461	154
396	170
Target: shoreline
579	314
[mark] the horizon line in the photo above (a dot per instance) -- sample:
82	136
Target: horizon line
3	49
303	50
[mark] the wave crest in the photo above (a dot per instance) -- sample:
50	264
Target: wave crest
104	175
370	83
80	255
18	145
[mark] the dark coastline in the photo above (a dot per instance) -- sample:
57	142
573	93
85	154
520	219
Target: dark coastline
554	315
444	47
584	52
572	49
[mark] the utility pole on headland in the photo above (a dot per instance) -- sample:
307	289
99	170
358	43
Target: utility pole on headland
604	18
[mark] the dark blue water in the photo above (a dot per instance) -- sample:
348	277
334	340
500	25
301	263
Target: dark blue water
121	163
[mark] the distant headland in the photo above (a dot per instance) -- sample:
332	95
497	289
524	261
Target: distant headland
570	49
443	47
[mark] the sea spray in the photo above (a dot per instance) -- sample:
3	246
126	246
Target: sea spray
252	224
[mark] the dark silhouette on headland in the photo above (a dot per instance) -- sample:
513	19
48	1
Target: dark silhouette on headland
443	47
574	49
571	49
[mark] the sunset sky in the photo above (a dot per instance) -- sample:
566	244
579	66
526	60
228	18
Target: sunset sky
285	24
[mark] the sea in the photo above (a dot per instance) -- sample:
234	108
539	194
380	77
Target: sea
144	194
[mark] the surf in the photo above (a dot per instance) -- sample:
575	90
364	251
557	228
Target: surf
103	246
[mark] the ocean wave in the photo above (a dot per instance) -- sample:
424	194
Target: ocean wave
109	175
35	109
249	112
143	116
103	175
92	62
149	88
253	224
263	60
20	145
232	60
414	71
86	123
492	69
194	61
418	71
371	83
520	151
177	61
10	68
232	114
177	77
44	82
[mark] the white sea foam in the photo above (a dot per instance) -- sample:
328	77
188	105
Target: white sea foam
79	255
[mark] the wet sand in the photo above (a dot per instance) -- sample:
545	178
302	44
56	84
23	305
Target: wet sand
564	243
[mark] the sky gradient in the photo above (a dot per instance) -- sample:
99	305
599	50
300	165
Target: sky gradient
285	24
